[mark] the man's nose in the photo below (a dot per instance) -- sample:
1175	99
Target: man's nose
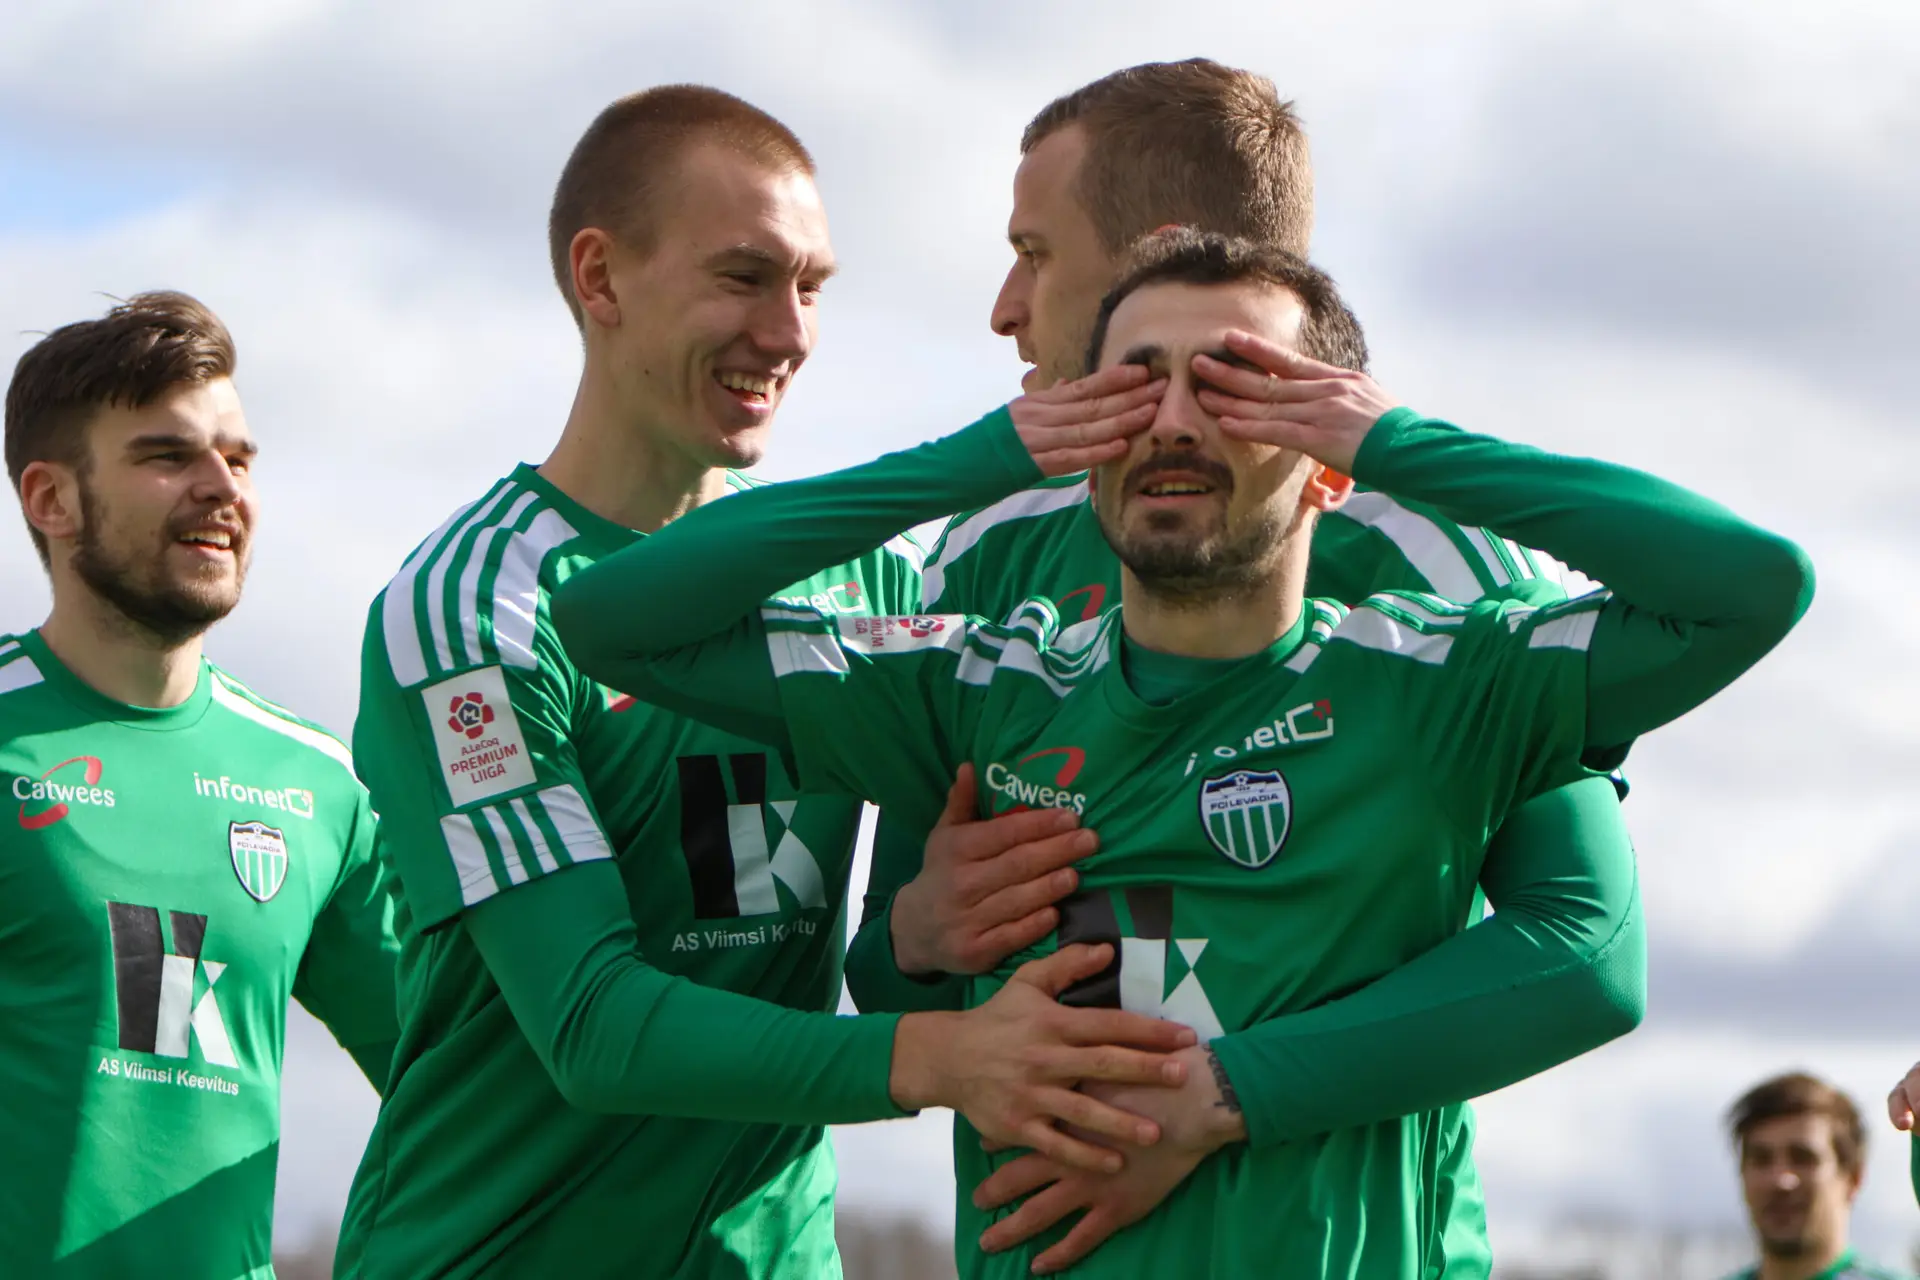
1010	310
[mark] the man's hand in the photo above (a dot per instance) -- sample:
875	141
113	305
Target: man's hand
1013	1065
1195	1120
1292	402
1072	426
1905	1100
986	889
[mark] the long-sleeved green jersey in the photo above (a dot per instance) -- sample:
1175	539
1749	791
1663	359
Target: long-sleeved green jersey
169	878
1312	820
589	890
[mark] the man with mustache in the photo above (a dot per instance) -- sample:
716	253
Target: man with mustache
1294	798
179	856
1214	148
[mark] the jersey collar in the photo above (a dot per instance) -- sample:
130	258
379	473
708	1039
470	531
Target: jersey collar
1267	667
95	703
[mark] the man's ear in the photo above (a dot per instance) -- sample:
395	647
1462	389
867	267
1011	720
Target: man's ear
50	499
1326	489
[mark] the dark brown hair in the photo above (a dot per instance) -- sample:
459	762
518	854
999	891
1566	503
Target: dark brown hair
1328	332
129	358
609	180
1195	143
1799	1094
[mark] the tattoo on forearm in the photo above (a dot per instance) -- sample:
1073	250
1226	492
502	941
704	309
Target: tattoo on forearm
1228	1098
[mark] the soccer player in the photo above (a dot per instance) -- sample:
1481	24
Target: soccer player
621	930
1214	148
1294	798
180	855
1802	1154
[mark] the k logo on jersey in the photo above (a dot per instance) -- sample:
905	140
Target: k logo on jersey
1246	815
259	854
154	985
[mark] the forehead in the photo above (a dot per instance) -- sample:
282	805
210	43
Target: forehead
206	413
1186	318
718	197
1043	184
1814	1131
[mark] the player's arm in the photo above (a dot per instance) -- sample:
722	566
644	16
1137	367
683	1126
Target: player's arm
1557	970
346	978
1697	595
525	867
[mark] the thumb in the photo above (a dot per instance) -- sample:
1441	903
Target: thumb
959	806
1055	973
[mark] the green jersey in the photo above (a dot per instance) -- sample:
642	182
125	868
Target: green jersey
496	764
1848	1266
1343	747
168	879
1282	844
1046	542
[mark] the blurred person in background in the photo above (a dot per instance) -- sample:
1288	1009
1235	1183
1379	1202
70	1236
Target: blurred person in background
1802	1156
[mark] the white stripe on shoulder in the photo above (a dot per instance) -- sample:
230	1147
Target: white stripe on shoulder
469	857
1372	629
1434	555
516	588
804	652
1572	630
962	537
1483	543
469	589
1571	580
406	652
907	549
19	672
243	702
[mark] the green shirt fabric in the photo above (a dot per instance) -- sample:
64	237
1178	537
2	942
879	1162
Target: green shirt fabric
1480	707
169	878
621	938
1848	1266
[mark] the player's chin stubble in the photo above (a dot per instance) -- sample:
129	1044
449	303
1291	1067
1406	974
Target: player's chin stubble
1189	568
172	612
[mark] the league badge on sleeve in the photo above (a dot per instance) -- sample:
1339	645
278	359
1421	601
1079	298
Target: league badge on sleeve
259	857
1246	815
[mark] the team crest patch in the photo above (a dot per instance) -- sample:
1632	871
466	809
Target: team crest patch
1246	815
259	857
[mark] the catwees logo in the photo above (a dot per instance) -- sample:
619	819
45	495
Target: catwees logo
68	784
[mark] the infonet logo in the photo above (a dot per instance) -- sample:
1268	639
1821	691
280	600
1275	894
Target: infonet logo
66	791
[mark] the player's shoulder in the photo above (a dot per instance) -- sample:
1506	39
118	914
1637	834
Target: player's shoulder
1037	512
1035	644
1861	1269
1450	560
470	594
18	671
237	699
1423	627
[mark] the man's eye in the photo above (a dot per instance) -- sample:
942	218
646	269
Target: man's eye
746	279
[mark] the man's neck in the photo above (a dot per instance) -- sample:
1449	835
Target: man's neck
1230	625
116	656
1801	1268
622	472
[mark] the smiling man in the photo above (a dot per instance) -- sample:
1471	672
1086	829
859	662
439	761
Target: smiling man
1294	798
178	856
621	929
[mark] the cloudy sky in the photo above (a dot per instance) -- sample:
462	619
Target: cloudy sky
1683	238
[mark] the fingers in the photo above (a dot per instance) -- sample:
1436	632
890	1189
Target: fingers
1003	940
1055	973
1281	360
1119	1027
1229	383
1054	408
1033	1217
986	840
1088	1115
959	807
1068	1150
1038	858
1109	381
1900	1103
1088	1234
1064	462
1014	1179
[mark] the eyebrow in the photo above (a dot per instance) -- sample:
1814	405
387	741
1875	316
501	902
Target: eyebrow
1147	353
766	258
165	440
